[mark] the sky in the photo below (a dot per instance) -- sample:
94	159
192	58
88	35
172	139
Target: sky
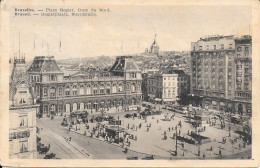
125	30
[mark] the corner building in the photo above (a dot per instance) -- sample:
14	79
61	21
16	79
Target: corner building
222	73
22	114
94	91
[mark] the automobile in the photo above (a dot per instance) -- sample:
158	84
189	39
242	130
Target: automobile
49	156
132	158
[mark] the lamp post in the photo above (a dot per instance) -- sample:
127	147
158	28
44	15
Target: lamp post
176	147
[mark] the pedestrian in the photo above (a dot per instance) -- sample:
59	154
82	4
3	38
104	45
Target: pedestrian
182	144
169	129
204	156
172	128
188	132
219	152
179	132
204	128
129	143
70	138
147	129
211	148
229	134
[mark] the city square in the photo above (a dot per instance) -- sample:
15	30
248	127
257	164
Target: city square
150	140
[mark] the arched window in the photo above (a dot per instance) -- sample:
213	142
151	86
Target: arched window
74	107
74	90
88	91
81	90
133	87
120	88
108	89
101	89
95	89
60	91
114	88
67	91
52	92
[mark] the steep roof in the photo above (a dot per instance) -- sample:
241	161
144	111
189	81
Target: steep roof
44	64
124	63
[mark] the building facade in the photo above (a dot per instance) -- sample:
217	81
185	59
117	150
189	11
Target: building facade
22	114
110	91
222	72
168	87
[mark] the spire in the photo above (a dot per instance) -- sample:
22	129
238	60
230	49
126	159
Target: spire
60	43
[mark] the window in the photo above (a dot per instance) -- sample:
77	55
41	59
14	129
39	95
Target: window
133	88
52	77
133	75
215	47
138	87
108	89
88	91
53	108
45	109
239	49
81	90
230	46
52	92
114	88
23	146
95	89
102	89
74	90
67	91
22	101
120	88
23	121
45	93
222	46
60	91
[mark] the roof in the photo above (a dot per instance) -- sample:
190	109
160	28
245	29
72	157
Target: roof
44	64
124	63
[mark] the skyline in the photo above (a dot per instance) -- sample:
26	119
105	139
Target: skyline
112	34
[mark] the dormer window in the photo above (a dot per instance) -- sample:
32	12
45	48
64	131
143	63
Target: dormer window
52	77
133	75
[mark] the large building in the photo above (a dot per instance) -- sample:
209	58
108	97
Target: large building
221	72
22	113
168	87
110	91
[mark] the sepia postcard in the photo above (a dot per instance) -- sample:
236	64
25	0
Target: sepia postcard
113	83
